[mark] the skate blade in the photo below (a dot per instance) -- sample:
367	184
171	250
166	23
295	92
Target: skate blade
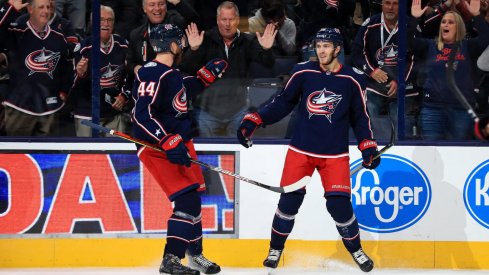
271	271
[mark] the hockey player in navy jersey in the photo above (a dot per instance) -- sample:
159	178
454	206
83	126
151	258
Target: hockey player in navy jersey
330	99
161	116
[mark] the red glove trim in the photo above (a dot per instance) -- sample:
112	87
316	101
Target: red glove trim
254	117
170	141
206	76
367	143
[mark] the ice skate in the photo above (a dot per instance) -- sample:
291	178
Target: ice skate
362	260
273	258
203	264
171	265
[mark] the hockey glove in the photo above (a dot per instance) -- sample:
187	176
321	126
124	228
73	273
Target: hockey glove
248	126
212	70
480	128
175	150
369	150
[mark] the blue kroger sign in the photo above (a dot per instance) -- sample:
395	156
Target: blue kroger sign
476	194
392	197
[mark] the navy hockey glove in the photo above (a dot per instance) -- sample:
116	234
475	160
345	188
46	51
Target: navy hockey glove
369	150
248	126
212	70
175	150
480	128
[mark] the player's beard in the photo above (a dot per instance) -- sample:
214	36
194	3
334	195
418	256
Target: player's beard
329	59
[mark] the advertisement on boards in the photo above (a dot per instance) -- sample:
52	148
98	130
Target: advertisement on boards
100	192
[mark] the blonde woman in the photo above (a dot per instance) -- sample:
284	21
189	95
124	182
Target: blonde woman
442	116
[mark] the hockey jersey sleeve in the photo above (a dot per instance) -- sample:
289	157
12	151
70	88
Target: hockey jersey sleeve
359	48
285	101
359	119
193	86
8	14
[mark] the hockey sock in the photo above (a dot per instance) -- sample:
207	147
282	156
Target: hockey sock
340	209
283	221
195	246
181	223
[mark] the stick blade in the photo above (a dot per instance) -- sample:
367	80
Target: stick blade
297	185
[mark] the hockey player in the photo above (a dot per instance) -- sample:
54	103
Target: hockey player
161	116
330	98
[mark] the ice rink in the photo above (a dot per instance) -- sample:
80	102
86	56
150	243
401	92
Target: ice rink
234	271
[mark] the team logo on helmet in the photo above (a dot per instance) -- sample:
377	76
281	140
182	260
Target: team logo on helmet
322	103
162	35
180	102
110	76
329	34
42	61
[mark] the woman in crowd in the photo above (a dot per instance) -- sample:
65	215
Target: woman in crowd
442	116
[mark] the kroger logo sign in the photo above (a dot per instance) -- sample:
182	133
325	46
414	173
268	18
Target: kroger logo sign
392	197
476	194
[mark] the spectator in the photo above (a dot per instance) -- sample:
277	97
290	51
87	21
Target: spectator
219	111
75	11
483	60
432	17
442	115
114	111
38	56
128	14
273	12
59	23
156	13
318	14
375	52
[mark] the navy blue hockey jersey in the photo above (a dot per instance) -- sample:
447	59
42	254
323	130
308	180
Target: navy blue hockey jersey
113	74
329	102
375	46
160	94
39	68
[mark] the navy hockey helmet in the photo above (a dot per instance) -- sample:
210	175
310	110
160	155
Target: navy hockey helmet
162	35
329	34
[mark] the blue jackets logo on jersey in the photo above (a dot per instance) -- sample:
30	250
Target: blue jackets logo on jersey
110	76
387	55
392	197
180	102
322	103
476	194
42	61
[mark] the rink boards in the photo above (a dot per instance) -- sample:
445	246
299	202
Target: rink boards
93	204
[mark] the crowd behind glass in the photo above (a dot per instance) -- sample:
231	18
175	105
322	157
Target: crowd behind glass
257	69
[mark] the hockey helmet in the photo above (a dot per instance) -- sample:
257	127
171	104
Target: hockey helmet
162	35
329	34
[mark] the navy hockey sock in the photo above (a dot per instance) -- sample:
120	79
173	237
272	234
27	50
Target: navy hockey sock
195	246
342	212
283	221
181	223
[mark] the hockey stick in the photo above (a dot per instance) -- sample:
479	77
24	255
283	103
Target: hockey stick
382	151
286	189
453	86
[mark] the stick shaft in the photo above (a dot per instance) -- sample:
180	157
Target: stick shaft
157	148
